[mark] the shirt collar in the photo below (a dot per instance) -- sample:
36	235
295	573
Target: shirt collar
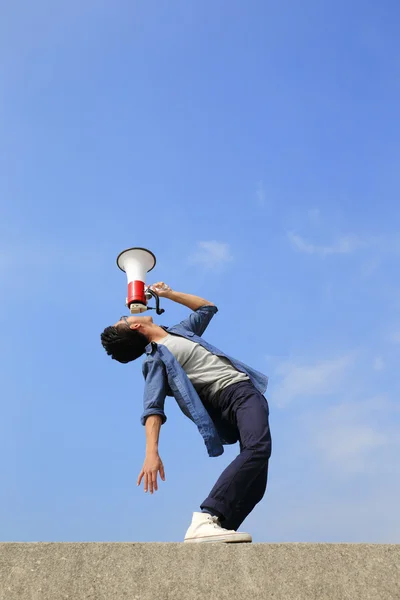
152	345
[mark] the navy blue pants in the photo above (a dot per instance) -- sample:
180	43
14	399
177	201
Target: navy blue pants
242	484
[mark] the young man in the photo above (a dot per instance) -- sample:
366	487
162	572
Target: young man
223	397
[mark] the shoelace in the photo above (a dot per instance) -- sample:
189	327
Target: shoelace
214	522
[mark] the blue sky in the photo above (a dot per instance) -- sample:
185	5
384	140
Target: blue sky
254	148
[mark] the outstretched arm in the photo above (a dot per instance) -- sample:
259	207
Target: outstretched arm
152	463
189	300
152	418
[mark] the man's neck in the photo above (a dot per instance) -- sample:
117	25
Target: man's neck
157	334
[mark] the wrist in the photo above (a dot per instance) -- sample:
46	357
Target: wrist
151	450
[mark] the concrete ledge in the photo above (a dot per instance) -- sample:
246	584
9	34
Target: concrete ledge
129	571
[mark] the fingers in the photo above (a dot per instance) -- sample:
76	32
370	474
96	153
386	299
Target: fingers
139	481
149	478
160	287
154	482
151	482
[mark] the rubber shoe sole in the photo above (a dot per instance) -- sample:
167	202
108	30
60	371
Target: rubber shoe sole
237	538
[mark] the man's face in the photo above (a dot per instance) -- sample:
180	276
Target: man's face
134	320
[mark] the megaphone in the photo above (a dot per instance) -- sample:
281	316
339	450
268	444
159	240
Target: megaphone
136	263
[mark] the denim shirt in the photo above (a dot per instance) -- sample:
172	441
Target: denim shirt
164	376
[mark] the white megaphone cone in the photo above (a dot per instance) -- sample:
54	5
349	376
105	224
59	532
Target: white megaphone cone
136	262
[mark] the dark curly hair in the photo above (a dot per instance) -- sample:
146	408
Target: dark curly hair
123	344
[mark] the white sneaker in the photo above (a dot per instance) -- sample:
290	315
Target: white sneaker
206	528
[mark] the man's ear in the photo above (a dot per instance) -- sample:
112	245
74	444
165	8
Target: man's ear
135	326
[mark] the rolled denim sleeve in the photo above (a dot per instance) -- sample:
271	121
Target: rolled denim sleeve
197	322
155	390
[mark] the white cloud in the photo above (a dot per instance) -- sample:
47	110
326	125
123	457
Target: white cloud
344	245
342	426
260	193
212	255
381	245
370	267
300	243
378	364
395	337
341	456
343	435
355	436
331	511
319	379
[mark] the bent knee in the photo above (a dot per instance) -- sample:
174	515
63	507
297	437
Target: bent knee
262	450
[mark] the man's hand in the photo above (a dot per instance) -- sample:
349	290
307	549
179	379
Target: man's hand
193	302
151	467
161	289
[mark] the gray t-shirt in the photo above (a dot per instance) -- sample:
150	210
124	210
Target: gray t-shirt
208	373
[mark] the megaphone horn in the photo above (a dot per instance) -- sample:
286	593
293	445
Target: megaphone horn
136	262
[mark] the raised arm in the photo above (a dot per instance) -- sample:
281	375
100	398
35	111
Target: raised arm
189	300
203	310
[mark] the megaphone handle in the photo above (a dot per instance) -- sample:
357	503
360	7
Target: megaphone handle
159	310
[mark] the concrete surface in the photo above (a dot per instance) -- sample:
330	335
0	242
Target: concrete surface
130	571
